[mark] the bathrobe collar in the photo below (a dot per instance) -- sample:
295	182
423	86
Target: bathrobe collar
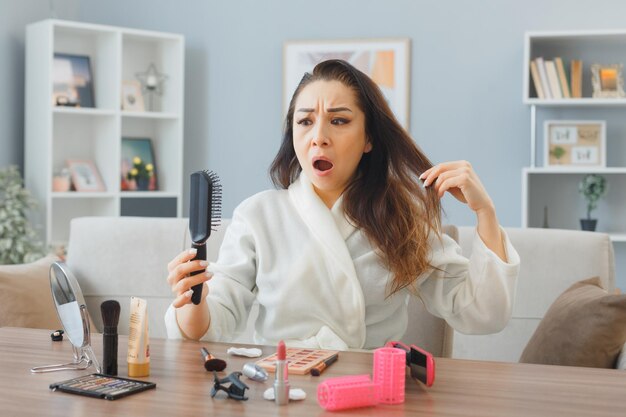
331	228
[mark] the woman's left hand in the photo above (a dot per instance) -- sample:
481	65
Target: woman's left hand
460	180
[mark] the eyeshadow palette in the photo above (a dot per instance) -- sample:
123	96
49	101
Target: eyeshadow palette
102	386
300	360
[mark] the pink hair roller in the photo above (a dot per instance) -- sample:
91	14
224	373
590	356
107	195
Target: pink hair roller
389	374
345	392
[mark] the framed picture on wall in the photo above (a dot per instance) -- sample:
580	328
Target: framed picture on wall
138	167
85	175
72	81
386	61
575	143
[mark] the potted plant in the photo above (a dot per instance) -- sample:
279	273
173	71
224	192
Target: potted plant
18	241
592	187
141	173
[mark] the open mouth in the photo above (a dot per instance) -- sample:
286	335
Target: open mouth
322	165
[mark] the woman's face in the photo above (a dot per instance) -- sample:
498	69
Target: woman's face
329	136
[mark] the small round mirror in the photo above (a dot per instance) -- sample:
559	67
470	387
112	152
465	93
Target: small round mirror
68	298
72	312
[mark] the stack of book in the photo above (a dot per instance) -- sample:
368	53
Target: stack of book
550	79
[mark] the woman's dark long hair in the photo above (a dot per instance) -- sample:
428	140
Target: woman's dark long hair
384	199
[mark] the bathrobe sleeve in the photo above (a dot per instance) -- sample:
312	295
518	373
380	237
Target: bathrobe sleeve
231	289
475	295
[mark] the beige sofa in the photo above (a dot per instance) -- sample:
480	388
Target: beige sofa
116	257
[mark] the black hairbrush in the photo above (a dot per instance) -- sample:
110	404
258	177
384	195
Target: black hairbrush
205	210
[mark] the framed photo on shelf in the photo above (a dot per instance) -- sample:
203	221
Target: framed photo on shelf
138	167
575	143
72	81
85	175
607	81
386	61
132	99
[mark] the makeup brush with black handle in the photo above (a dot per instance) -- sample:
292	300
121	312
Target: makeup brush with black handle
110	317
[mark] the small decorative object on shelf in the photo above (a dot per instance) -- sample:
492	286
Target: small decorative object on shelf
151	84
140	173
138	165
61	181
132	99
72	81
575	143
607	81
85	176
592	187
18	241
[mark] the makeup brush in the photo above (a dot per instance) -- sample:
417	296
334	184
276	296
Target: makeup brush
318	369
211	363
110	317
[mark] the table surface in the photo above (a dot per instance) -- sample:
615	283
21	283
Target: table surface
462	387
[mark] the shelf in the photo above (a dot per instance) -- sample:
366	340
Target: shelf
55	135
603	35
618	237
83	194
147	194
576	102
590	170
88	111
150	115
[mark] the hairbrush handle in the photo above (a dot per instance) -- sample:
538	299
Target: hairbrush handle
196	297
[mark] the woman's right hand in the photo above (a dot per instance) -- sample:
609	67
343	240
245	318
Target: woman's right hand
181	282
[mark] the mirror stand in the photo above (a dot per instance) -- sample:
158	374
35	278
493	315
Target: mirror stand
84	357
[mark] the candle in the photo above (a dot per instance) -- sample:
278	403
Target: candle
151	81
608	78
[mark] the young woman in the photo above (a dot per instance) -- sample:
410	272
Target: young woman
352	231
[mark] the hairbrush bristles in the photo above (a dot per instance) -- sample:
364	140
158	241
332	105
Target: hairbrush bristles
216	200
110	310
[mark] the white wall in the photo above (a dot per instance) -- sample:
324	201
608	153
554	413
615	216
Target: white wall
466	78
14	16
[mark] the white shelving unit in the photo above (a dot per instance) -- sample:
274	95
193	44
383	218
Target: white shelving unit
557	189
56	134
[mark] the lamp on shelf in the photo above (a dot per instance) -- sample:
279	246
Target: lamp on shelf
151	83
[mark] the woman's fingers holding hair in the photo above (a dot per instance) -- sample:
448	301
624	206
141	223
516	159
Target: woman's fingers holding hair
465	185
430	175
454	185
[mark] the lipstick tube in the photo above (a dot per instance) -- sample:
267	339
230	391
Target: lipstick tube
281	379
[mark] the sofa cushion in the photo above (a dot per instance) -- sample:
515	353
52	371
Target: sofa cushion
585	326
25	298
621	360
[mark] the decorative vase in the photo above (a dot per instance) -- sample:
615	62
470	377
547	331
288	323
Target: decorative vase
588	224
142	183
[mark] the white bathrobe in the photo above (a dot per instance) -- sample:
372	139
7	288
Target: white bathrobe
320	284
